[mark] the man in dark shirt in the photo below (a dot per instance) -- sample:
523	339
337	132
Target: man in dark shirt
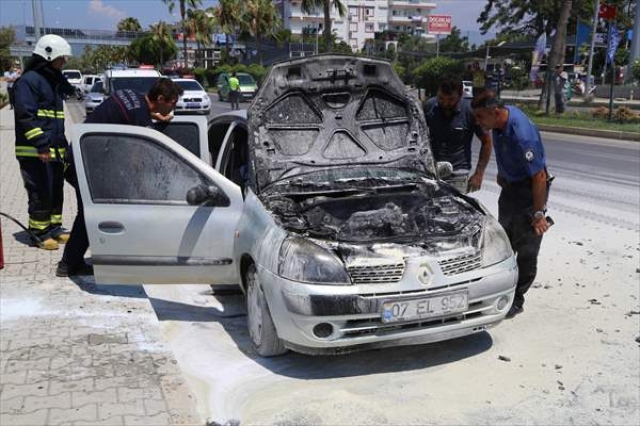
123	107
451	128
522	175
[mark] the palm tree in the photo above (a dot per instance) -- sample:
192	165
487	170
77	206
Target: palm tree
309	6
129	25
200	24
161	36
261	18
228	14
184	6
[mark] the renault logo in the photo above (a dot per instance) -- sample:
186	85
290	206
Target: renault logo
424	275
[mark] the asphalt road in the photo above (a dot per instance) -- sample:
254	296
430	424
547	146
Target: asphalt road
570	358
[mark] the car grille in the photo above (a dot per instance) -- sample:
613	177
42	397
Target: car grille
460	264
192	99
373	274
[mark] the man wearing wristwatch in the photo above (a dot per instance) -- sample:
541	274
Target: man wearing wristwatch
522	175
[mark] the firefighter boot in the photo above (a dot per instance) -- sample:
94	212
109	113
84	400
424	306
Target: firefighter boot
60	235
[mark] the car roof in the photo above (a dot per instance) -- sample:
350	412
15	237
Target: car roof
185	79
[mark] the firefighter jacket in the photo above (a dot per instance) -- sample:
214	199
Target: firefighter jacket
39	112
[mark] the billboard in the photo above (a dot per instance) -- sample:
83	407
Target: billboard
439	24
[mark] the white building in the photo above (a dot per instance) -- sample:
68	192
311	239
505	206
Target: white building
363	18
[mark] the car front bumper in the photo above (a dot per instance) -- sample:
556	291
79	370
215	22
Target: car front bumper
354	316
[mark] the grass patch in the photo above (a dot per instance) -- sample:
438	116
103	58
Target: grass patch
591	119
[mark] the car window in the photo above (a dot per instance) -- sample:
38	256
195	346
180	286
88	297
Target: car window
190	85
186	134
97	87
131	169
216	135
74	75
246	79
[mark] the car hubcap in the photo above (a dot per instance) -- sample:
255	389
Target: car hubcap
253	306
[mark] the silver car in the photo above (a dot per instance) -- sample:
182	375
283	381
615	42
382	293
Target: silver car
323	203
94	97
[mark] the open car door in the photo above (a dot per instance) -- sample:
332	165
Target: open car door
134	183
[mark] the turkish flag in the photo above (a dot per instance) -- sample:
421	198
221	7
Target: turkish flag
607	12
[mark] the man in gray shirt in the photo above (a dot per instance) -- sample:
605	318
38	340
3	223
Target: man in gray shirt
559	88
451	128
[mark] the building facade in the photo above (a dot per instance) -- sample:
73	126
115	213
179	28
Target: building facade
362	19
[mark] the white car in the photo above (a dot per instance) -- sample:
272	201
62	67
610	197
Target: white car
74	77
467	89
322	201
194	100
88	80
94	97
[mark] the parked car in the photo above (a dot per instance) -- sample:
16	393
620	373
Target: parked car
467	89
138	79
248	86
94	97
74	77
88	80
194	100
322	201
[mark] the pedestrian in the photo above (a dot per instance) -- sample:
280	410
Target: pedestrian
11	76
40	138
451	128
560	89
234	91
524	182
122	107
478	76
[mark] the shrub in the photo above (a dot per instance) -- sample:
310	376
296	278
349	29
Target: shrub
600	112
432	71
623	114
199	74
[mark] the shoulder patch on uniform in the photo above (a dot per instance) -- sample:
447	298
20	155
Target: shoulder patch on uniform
529	155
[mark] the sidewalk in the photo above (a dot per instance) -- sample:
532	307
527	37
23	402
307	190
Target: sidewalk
72	352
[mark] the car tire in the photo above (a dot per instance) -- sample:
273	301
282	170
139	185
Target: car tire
259	322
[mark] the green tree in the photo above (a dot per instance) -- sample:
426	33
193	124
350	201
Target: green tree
7	37
454	42
261	19
156	47
129	25
184	5
432	71
309	6
228	14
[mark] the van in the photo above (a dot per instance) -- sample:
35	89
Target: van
136	79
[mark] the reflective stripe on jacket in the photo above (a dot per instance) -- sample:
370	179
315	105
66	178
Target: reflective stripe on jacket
39	117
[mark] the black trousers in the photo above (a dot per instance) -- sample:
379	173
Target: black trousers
44	184
515	207
12	96
78	243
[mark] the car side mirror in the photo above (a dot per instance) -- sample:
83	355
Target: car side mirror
444	169
207	196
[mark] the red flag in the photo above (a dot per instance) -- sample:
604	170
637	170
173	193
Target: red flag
607	12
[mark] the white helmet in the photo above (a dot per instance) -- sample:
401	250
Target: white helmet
51	46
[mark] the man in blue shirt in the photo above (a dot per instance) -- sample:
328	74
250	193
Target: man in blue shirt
123	107
522	175
451	128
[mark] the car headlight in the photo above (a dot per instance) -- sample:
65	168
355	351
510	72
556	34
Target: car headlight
301	260
495	243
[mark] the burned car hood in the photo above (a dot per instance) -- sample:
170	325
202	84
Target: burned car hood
334	111
421	211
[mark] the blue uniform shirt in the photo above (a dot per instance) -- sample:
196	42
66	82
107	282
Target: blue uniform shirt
123	107
518	147
451	136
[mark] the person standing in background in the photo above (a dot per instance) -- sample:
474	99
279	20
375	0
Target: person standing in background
11	76
234	91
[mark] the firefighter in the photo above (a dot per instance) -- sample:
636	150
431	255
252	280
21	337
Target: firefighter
40	138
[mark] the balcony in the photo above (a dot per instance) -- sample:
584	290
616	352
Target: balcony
413	4
407	19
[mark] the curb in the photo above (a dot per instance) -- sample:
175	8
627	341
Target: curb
609	134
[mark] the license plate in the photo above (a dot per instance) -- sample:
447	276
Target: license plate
427	307
193	105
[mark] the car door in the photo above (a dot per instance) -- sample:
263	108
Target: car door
190	132
133	183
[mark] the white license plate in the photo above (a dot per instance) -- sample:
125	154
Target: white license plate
427	307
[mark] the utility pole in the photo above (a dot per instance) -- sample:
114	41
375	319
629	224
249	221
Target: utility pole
587	84
36	5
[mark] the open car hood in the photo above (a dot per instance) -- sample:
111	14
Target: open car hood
334	111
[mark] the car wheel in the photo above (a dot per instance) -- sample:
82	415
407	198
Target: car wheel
261	329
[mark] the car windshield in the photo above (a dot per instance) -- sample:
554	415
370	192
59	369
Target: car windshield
73	75
137	84
352	177
246	79
190	85
97	87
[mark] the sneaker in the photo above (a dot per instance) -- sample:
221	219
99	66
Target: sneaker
47	243
514	310
64	270
61	235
